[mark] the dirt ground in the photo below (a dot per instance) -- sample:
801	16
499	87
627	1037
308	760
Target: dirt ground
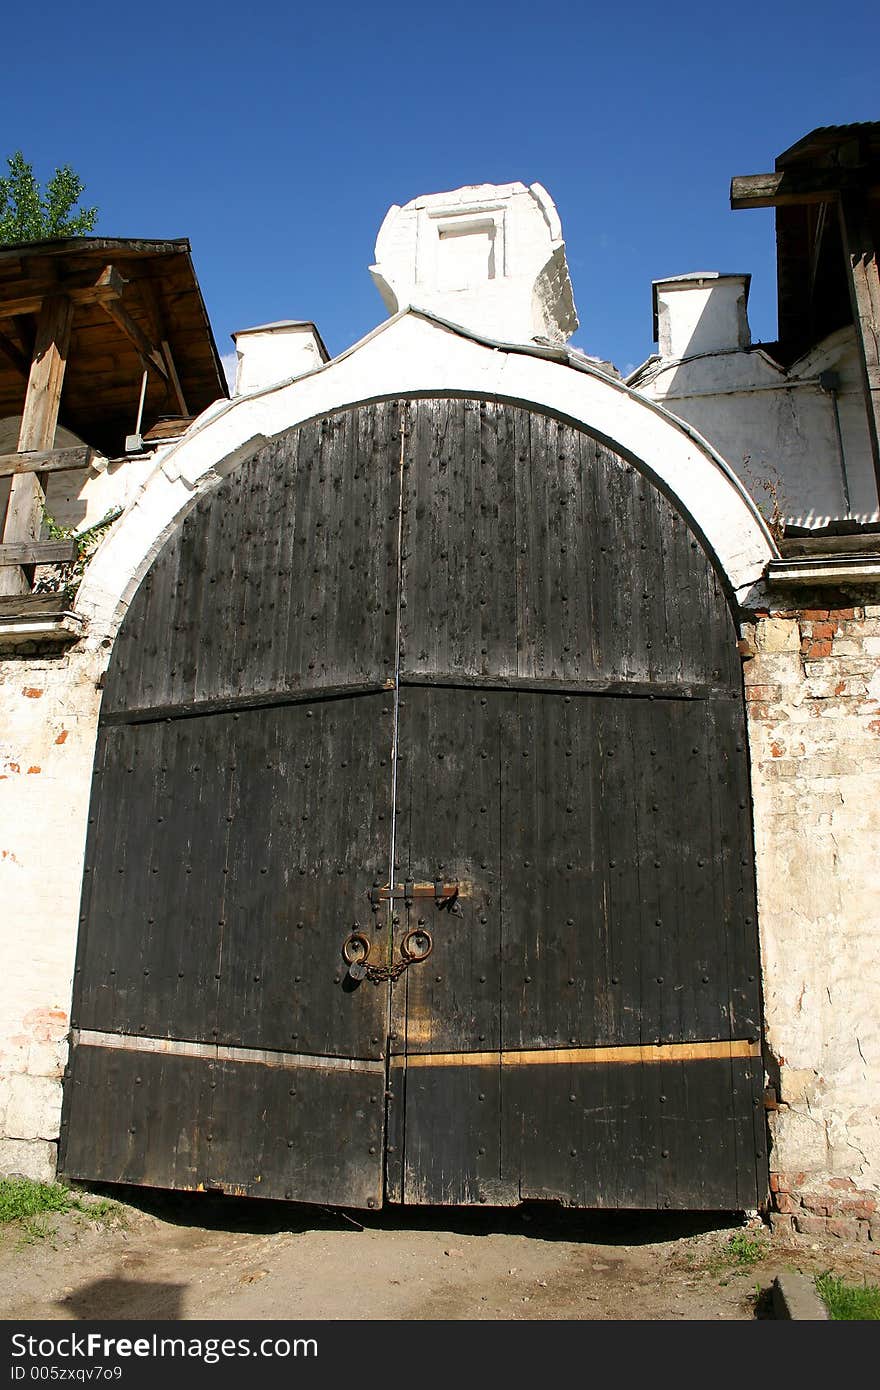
166	1256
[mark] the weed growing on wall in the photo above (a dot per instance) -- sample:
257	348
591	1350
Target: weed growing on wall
67	577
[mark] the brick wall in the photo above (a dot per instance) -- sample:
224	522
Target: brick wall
812	677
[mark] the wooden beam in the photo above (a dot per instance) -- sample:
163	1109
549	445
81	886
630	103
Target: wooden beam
147	291
108	286
790	186
37	553
24	511
863	276
148	352
46	461
14	355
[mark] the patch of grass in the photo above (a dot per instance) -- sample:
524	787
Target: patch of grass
849	1302
744	1251
20	1198
26	1206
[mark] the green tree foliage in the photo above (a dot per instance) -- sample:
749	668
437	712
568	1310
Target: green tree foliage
29	214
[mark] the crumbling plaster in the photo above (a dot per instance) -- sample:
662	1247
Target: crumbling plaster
778	426
812	680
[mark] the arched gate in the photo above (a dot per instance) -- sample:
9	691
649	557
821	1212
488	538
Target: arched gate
447	682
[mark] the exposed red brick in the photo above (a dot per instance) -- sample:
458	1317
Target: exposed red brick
818	649
745	648
843	1228
810	1225
815	1205
62	737
32	693
812	615
785	1203
780	1224
864	1209
842	1182
34	769
842	614
823	630
774	1182
15	767
776	750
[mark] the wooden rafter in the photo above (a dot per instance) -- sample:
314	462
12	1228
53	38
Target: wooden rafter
108	286
147	350
154	313
787	187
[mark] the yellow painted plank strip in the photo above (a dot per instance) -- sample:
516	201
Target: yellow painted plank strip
576	1056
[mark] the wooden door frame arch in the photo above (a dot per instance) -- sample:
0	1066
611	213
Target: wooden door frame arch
412	355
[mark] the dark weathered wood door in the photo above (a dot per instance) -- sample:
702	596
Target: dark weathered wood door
572	752
242	807
435	642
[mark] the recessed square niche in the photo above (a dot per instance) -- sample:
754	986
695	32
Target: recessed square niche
468	253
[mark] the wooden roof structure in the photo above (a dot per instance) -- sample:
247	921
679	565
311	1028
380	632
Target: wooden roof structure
136	305
104	337
825	190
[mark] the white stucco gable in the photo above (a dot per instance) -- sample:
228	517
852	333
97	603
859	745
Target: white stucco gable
414	354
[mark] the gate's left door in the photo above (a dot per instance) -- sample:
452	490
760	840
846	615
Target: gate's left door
241	809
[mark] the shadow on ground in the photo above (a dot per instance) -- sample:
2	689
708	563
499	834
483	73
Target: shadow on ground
124	1298
550	1221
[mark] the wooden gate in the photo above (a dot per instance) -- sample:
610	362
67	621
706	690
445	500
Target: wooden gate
448	685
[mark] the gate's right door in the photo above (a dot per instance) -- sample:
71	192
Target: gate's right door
571	751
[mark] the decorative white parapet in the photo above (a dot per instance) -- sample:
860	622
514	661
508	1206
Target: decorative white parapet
489	257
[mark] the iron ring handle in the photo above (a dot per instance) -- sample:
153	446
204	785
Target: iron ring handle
408	942
355	948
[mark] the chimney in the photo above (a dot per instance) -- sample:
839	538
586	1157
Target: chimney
276	352
489	257
703	312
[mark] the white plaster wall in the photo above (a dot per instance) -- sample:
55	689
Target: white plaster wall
48	717
769	423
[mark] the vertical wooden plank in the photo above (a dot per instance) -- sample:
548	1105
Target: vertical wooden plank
310	825
24	508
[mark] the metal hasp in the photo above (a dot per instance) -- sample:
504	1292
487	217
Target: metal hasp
444	894
558	765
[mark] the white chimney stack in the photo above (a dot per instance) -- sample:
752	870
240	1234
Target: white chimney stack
276	352
703	312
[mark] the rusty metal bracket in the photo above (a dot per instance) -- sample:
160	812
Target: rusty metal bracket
444	894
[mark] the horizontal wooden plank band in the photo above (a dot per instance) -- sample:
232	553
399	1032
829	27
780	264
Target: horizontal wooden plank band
217	1052
46	461
37	552
636	1054
538	685
156	713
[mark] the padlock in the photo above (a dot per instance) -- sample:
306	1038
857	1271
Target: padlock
357	971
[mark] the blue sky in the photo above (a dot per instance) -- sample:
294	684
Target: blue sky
275	136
